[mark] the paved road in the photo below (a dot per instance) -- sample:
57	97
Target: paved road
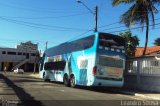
30	90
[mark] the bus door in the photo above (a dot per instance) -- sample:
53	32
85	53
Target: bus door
69	70
83	62
60	70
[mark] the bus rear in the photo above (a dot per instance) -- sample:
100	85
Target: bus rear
110	61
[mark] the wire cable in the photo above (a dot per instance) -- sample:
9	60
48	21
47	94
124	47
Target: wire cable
41	26
49	17
130	29
122	26
34	9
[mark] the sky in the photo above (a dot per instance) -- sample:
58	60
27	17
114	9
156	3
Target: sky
58	21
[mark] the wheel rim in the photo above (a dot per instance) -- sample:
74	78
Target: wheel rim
72	81
65	80
43	75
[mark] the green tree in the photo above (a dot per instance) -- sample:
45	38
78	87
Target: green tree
157	42
140	12
131	43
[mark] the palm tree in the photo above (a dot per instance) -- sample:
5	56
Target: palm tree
157	42
140	13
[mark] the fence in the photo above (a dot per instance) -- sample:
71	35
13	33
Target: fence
143	73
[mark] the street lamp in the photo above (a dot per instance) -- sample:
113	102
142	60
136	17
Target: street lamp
95	13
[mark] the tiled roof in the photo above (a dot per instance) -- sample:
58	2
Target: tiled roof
149	50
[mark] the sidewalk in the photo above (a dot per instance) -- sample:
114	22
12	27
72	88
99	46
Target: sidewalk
139	93
36	75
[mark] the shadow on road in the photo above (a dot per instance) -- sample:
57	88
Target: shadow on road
25	98
112	90
101	89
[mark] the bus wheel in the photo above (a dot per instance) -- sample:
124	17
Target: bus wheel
66	80
72	81
44	78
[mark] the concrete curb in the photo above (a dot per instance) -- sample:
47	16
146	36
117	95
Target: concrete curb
146	96
128	93
123	92
140	95
35	75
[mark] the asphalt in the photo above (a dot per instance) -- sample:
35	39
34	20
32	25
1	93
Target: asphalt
28	89
133	92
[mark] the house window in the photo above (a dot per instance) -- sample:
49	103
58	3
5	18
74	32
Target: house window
3	52
12	53
131	66
19	53
154	63
33	54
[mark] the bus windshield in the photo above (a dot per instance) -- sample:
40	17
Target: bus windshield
111	41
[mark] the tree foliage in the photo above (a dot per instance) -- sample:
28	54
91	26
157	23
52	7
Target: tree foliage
131	43
140	12
157	42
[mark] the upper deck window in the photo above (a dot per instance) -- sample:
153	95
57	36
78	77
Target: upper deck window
82	44
111	41
73	46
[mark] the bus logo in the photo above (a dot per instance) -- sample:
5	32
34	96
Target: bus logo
82	62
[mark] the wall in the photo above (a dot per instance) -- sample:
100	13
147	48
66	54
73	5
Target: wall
14	59
143	78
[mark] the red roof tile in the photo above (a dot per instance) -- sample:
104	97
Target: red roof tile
149	50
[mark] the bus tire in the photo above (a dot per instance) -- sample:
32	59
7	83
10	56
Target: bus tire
44	78
66	80
72	81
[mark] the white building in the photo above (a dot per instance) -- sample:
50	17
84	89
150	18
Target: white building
24	56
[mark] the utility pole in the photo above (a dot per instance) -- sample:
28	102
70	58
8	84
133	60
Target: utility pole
95	13
96	19
36	58
46	45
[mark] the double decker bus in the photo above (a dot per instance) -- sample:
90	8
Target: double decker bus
92	60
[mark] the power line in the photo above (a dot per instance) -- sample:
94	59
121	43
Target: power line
19	41
42	10
130	29
118	23
135	11
32	26
80	35
109	24
41	26
64	16
122	26
13	4
34	9
77	36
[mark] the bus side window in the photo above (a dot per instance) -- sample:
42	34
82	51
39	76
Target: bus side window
59	65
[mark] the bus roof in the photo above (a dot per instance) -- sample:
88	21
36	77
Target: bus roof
61	49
